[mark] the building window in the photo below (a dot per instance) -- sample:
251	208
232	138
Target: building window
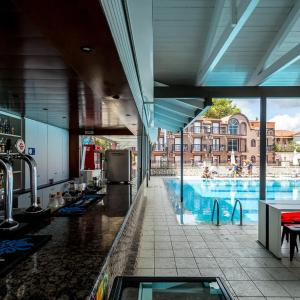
157	158
216	145
216	128
253	159
197	144
253	143
197	127
243	128
232	145
233	126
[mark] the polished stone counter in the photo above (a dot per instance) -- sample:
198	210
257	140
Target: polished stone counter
67	266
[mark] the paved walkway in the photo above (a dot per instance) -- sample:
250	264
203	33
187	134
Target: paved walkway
228	251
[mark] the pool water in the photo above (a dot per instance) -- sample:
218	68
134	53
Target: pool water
199	196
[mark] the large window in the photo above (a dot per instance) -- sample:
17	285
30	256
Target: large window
233	126
283	149
232	145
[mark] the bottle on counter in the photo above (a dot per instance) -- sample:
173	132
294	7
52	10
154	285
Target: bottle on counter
60	199
53	204
67	197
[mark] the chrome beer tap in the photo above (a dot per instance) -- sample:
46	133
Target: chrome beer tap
9	223
34	208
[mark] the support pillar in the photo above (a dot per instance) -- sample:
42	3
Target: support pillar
262	148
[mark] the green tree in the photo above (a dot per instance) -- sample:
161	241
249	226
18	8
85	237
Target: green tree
103	143
221	108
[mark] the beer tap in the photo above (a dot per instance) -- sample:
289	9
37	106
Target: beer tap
9	223
34	208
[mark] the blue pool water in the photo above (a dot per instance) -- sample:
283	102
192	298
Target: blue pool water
199	195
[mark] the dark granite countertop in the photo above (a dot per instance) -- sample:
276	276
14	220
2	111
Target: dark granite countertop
67	266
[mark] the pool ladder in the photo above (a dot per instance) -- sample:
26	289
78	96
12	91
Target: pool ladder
241	211
216	204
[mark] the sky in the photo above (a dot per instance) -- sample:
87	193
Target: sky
285	112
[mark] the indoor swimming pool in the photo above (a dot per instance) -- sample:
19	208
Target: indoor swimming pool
199	196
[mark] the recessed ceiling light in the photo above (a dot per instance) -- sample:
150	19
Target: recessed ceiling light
64	117
116	96
128	115
87	49
45	108
133	124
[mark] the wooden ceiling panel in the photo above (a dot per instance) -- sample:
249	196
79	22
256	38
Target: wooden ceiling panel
42	65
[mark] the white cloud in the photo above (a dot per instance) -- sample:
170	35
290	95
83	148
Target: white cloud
287	122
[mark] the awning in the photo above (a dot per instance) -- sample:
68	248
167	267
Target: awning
174	114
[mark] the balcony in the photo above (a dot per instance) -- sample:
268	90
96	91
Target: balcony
177	147
160	147
218	148
207	148
201	129
216	130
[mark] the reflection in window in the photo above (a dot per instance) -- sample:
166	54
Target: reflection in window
233	126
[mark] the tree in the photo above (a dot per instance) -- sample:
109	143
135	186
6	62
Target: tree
221	108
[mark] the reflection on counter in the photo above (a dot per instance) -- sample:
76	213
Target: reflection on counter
118	199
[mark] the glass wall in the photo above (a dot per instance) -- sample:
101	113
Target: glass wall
283	149
221	158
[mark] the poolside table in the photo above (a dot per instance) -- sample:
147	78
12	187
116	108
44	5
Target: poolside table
269	223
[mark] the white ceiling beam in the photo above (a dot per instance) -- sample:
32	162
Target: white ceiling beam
216	17
166	125
170	115
166	118
285	29
176	108
245	10
195	103
283	62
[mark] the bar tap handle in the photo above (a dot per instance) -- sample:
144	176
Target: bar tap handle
9	223
34	207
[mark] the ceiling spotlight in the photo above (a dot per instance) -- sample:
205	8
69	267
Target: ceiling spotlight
128	115
133	124
64	117
116	96
87	49
45	108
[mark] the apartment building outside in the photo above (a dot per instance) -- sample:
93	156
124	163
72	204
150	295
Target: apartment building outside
214	140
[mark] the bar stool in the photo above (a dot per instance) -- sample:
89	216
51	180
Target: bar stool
293	231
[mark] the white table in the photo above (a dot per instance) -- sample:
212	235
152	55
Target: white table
269	223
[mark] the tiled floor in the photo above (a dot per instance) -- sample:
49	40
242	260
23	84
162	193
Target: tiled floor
228	251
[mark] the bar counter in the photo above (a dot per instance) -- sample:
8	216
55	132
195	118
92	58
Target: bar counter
68	265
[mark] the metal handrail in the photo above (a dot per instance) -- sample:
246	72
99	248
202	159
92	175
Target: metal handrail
241	211
216	203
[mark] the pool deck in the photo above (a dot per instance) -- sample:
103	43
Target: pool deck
229	251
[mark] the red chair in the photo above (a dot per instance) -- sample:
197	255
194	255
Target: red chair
289	218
